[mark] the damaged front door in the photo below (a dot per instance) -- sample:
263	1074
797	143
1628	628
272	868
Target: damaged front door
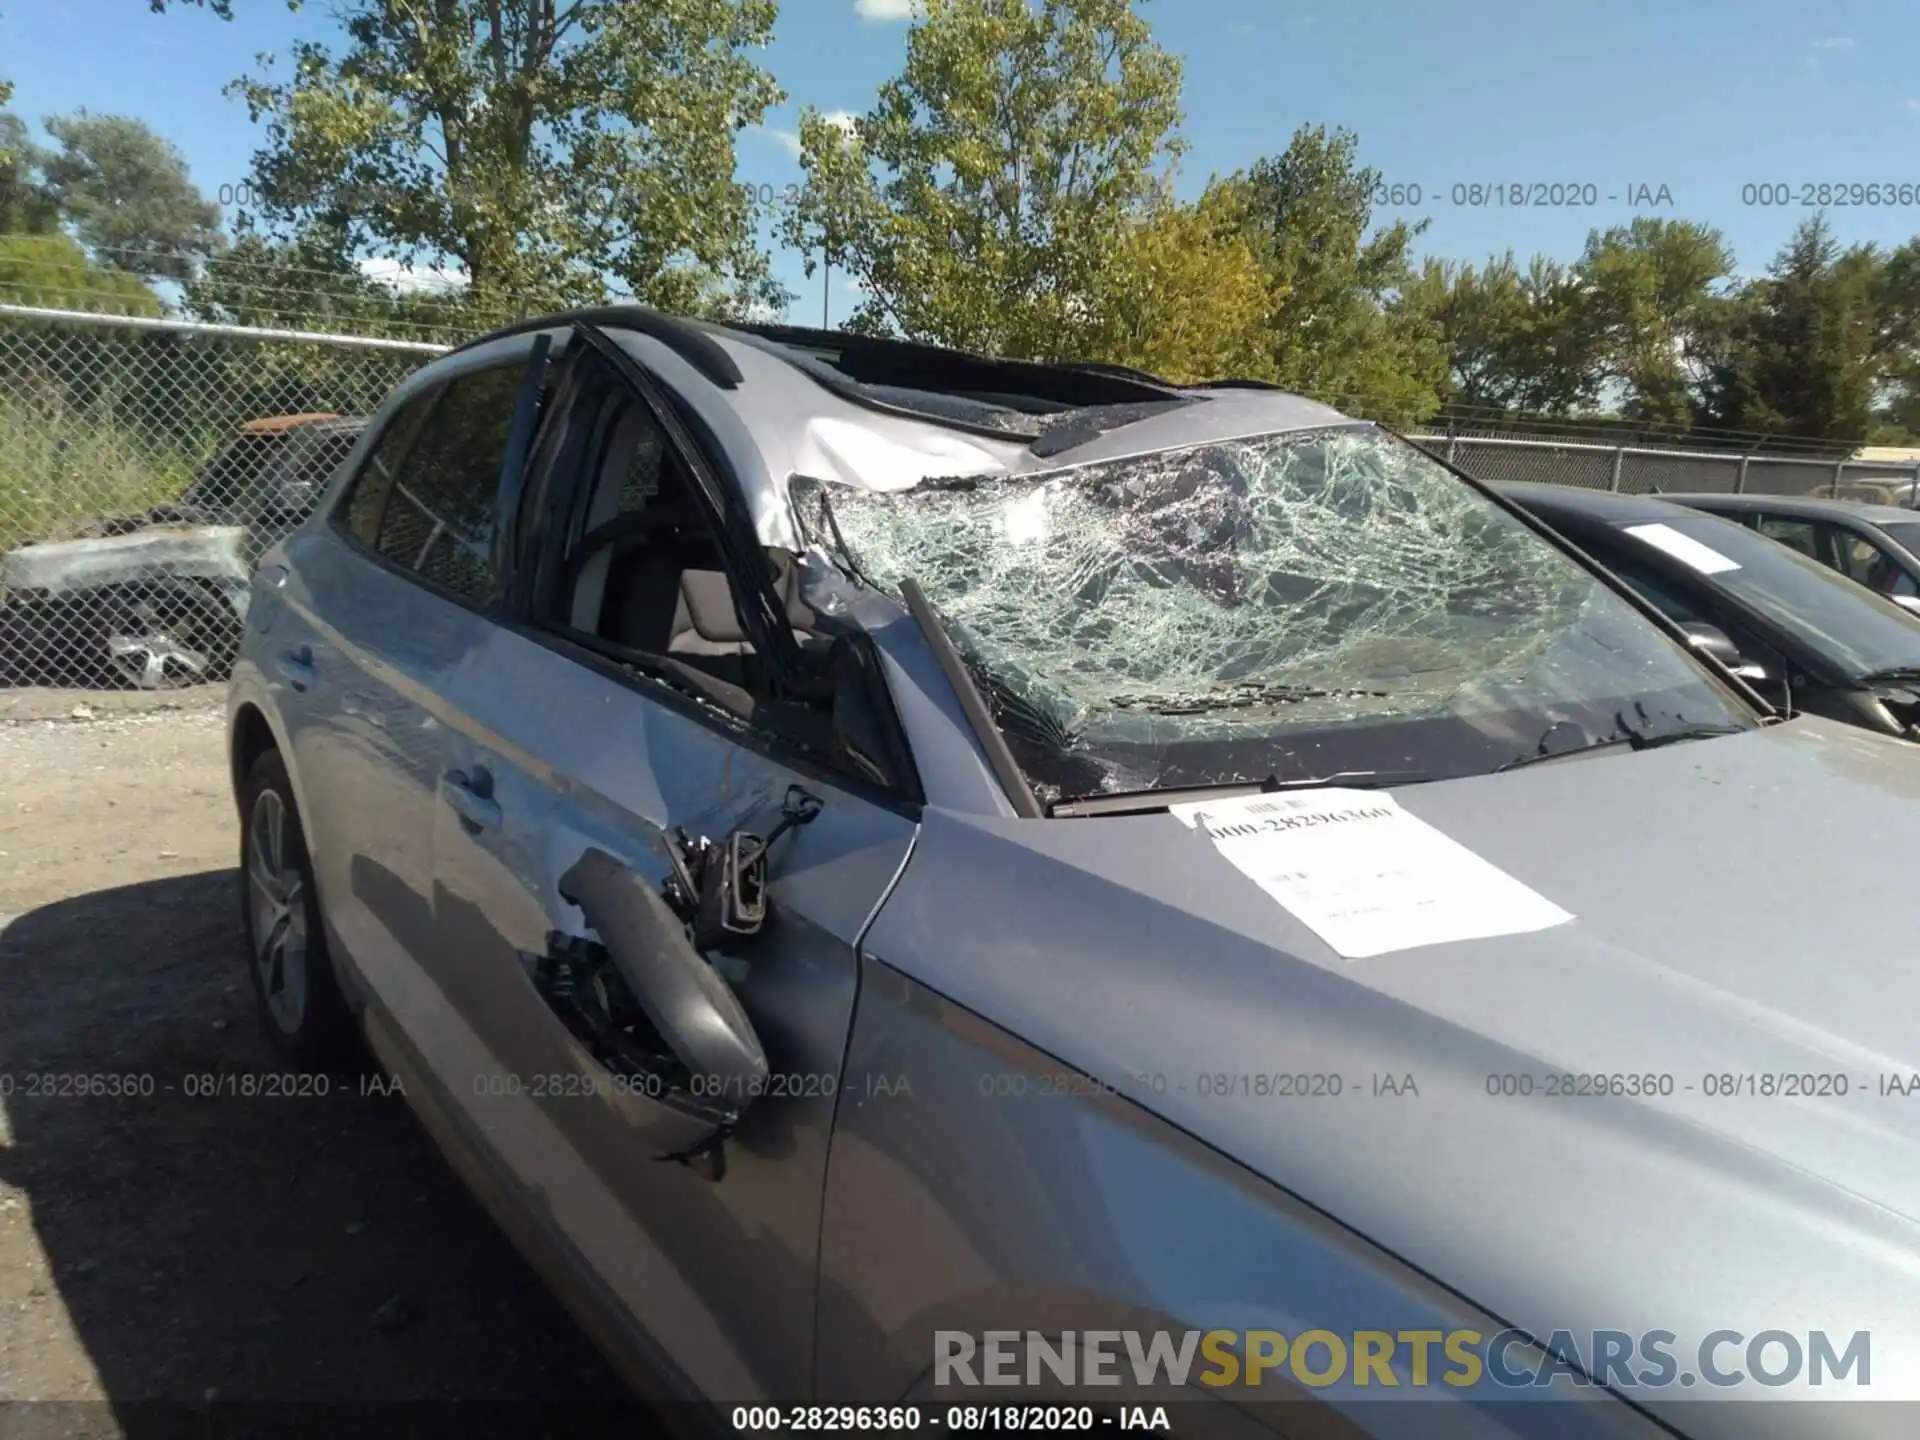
648	901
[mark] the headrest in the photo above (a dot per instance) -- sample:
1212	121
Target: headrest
708	601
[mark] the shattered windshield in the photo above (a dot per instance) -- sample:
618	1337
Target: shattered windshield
1264	607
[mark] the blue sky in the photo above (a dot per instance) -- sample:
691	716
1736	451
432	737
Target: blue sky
1702	97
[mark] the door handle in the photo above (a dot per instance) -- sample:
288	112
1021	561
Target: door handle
471	797
297	666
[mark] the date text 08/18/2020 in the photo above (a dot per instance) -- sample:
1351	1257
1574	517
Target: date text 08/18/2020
956	1419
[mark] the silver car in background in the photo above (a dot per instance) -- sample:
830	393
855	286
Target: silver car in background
849	845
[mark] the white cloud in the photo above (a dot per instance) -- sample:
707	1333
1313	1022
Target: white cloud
1830	48
886	10
1910	104
432	279
787	140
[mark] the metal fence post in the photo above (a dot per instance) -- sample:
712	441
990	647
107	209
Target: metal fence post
1740	477
1839	476
1453	443
1619	455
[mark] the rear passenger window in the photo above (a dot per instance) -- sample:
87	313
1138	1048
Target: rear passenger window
313	467
1795	534
1872	566
1858	557
439	516
361	513
237	470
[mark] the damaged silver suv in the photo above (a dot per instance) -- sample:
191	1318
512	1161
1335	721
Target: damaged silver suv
858	850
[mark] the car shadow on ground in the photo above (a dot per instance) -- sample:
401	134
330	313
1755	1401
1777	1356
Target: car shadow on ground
212	1235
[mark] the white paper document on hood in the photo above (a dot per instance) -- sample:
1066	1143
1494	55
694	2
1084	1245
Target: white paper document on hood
1363	874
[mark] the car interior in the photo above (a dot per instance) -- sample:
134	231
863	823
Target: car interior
645	573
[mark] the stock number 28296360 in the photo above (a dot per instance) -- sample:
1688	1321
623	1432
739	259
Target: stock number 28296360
1558	1084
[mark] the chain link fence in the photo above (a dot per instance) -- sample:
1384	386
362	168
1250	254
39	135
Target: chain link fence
144	465
1636	470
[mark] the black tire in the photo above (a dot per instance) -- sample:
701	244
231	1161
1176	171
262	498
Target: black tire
297	996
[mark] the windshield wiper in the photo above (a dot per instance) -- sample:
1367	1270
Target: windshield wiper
1238	697
1136	802
1636	738
1892	675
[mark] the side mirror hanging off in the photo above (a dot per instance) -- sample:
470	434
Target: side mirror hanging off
687	1005
690	1035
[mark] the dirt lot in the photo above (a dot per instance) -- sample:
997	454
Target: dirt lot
165	1246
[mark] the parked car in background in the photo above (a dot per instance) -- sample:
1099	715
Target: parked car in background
157	599
1877	545
1896	494
266	478
1796	629
846	842
149	601
1887	475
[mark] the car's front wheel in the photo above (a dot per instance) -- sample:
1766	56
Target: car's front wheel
294	988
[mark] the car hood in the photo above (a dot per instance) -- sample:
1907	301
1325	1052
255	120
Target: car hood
1743	907
207	552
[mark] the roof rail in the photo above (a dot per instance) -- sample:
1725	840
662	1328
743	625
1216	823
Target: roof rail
690	340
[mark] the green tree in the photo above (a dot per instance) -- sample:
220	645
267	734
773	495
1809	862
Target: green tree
25	207
544	149
1516	340
1184	295
1650	290
310	282
1898	302
125	193
1898	340
222	8
1897	418
1801	350
1341	327
985	199
39	263
51	269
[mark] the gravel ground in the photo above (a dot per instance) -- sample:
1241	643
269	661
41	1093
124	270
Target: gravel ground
163	1244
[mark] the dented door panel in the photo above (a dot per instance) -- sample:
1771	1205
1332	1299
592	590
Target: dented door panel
355	657
717	1260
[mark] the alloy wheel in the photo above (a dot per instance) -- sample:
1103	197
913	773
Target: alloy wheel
278	907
